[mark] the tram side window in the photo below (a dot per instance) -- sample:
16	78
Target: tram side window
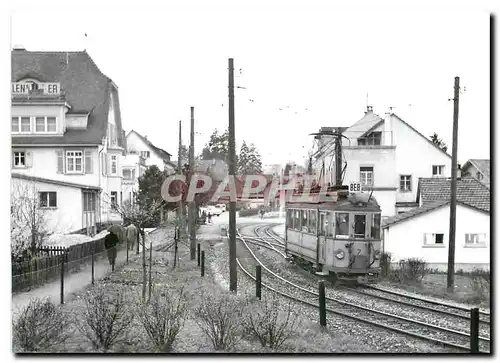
342	224
330	224
323	223
376	225
305	223
296	220
359	225
312	221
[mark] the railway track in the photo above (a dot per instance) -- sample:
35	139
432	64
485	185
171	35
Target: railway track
411	327
401	298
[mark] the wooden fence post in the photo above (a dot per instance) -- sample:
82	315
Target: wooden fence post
63	258
474	330
199	256
202	263
93	252
150	265
322	304
258	281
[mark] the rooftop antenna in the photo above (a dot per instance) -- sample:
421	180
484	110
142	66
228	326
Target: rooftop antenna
85	43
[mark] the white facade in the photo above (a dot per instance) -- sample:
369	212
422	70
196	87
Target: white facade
136	144
391	159
412	238
133	167
94	166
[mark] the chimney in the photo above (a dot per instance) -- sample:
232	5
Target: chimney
19	47
459	172
369	109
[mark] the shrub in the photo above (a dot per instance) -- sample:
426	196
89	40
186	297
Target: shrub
218	316
271	325
105	318
480	285
411	270
162	318
39	327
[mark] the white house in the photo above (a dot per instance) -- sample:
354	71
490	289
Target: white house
136	143
479	169
67	137
385	155
423	232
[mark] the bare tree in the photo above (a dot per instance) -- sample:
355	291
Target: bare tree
28	219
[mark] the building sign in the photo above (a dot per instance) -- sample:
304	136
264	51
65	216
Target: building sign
24	88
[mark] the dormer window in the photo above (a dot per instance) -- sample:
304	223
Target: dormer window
373	138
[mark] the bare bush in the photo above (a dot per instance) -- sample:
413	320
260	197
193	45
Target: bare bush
105	318
218	316
411	270
39	327
271	325
480	285
162	318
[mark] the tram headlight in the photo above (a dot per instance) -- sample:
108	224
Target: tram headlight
377	254
339	254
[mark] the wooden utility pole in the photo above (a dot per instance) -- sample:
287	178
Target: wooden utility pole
232	167
453	202
338	158
179	172
192	204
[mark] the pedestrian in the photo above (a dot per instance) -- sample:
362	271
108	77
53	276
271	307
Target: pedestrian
209	217
110	242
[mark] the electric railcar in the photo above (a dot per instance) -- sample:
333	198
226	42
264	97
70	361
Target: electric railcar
340	239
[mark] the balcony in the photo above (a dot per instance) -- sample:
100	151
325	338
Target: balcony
369	140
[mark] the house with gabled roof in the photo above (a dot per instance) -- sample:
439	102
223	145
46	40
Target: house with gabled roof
67	137
139	144
423	232
479	169
385	155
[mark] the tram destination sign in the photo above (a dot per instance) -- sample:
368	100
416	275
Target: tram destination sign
24	88
354	187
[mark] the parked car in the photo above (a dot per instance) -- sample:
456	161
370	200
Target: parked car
214	210
222	207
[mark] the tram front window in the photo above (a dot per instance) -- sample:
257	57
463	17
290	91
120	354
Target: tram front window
359	225
342	224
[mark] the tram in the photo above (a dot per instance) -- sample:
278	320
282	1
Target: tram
340	238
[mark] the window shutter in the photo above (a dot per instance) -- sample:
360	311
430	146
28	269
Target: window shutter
108	164
12	160
60	162
88	161
29	159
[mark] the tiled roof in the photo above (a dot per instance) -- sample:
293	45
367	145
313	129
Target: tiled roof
161	153
84	86
483	165
414	212
469	191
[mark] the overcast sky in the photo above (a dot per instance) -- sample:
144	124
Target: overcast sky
320	61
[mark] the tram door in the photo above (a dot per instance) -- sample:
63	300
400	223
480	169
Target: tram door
322	236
